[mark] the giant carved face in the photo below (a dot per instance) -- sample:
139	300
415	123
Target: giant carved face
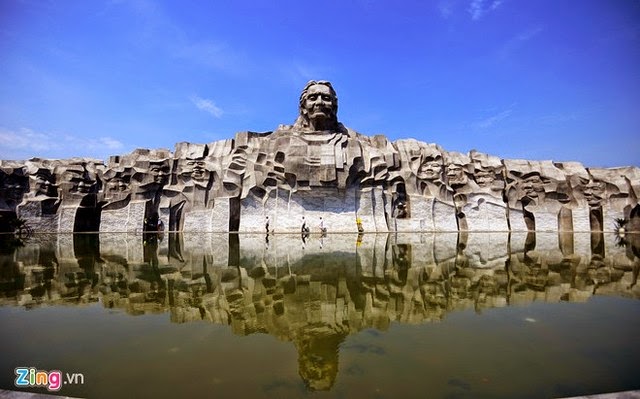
44	184
319	102
594	192
159	172
456	175
484	177
194	168
531	186
77	181
117	184
430	167
13	187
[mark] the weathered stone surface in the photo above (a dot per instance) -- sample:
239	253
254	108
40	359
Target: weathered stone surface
318	175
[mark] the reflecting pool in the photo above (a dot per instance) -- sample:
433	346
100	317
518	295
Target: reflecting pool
493	315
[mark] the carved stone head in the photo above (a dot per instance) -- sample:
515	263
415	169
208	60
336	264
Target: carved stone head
318	108
594	192
429	164
193	164
193	168
487	171
117	183
44	183
13	186
458	166
77	181
531	186
159	172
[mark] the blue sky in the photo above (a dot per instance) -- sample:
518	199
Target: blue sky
543	79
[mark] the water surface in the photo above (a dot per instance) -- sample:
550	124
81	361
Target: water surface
376	315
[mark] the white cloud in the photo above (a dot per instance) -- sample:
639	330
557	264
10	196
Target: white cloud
110	143
445	7
159	31
518	41
496	4
494	119
25	143
476	10
479	8
206	105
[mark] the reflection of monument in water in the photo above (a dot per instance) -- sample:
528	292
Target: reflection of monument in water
315	290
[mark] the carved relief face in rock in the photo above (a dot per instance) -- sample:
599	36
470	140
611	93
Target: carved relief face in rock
318	107
78	181
84	186
594	192
159	172
117	187
195	168
44	184
484	177
456	175
13	187
117	184
318	102
531	186
430	168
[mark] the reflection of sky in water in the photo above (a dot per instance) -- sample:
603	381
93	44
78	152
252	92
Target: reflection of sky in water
418	315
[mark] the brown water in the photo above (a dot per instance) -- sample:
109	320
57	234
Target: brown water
373	316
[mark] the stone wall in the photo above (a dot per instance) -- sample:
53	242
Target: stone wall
285	181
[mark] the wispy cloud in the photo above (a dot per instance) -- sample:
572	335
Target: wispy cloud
158	30
518	41
207	105
479	8
25	143
445	8
494	119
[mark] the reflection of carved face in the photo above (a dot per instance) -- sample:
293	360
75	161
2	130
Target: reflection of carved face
456	175
319	102
159	172
194	168
430	168
318	360
594	192
532	186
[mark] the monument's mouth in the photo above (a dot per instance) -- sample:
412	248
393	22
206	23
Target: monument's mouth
320	110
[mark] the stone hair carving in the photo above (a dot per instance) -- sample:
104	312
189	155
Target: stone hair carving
318	108
319	171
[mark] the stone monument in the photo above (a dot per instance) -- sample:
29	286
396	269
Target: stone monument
315	176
